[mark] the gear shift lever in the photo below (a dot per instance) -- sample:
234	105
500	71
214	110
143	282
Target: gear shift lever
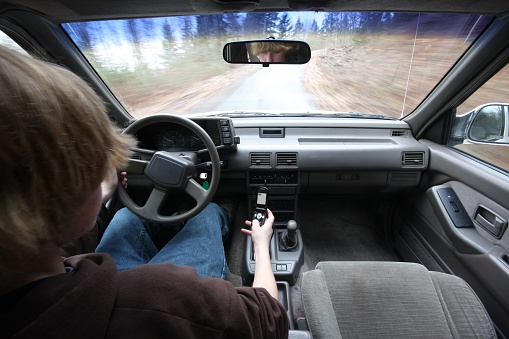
288	239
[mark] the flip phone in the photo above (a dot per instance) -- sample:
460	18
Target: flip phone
260	212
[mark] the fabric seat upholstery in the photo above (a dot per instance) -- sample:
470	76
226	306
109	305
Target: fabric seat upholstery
390	300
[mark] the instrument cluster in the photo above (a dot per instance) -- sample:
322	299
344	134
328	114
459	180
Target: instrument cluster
172	137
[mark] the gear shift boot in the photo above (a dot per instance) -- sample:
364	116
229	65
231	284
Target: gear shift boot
288	238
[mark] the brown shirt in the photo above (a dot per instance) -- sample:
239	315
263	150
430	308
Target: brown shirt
154	300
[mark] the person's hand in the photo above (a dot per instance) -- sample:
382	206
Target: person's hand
109	184
261	235
123	179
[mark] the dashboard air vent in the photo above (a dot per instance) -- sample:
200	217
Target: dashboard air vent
398	133
414	159
260	159
286	159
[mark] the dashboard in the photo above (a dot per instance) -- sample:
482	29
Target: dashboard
314	156
302	144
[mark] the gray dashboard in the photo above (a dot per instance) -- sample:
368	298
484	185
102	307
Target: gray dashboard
330	155
303	155
331	144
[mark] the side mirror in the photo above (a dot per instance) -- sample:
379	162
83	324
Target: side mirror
267	52
489	124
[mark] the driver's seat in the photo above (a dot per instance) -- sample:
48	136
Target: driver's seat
390	300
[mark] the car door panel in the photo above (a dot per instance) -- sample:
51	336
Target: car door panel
465	238
476	249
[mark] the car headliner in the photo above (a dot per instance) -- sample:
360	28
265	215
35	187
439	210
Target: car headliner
73	10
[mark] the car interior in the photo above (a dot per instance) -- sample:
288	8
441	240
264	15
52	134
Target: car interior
380	199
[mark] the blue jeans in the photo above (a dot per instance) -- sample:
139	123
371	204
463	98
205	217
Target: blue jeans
131	241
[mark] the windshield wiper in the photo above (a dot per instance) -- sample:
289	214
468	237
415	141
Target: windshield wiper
361	116
240	114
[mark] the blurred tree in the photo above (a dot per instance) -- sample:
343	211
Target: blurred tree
209	26
187	28
134	35
271	24
371	21
81	31
261	25
132	31
168	31
404	20
284	26
233	26
146	30
298	30
330	24
314	29
254	25
169	43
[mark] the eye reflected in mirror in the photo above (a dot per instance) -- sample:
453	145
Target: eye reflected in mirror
267	52
489	124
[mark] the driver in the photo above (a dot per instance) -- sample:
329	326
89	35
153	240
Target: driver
57	147
271	51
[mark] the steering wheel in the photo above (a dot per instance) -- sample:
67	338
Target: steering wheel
170	171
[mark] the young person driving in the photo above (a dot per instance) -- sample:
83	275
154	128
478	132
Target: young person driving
58	146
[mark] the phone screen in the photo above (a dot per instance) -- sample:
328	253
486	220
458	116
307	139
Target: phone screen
261	199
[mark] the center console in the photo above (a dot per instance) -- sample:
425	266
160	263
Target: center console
286	246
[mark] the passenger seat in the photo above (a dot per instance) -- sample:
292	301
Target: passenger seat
390	300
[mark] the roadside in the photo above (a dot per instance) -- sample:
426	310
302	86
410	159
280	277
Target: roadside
183	101
373	76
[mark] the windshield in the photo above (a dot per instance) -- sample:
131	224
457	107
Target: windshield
371	63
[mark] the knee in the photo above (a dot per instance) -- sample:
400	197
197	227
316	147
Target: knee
123	214
211	215
214	211
212	207
125	217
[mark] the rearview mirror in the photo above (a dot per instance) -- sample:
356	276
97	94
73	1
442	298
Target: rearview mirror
267	52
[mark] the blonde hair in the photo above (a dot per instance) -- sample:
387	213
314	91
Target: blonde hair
270	46
57	145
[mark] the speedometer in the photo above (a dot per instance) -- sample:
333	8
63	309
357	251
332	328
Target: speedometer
195	141
172	140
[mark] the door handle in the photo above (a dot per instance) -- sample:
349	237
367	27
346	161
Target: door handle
490	221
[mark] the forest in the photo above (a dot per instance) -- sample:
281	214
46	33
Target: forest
172	37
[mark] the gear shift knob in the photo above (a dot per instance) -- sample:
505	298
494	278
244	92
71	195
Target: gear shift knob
291	226
288	240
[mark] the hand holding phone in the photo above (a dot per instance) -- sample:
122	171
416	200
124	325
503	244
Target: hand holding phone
260	212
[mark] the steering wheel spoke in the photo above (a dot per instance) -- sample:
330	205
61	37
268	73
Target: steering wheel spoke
196	191
136	166
156	198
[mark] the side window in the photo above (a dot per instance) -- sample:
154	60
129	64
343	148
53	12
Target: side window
6	41
481	125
